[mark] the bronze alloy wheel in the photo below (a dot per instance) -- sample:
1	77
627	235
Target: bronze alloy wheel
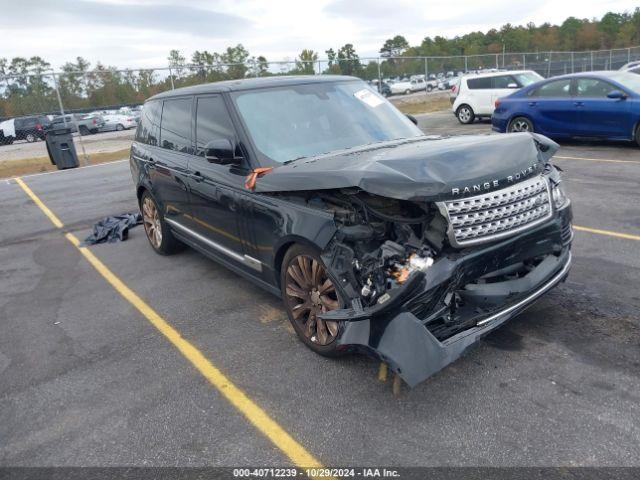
309	292
151	220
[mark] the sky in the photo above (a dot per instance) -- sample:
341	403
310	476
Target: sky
140	33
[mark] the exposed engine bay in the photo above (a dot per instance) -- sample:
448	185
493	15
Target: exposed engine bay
380	242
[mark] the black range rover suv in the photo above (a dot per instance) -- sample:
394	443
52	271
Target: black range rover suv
378	238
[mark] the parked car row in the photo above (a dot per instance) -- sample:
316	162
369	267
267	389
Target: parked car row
31	129
34	127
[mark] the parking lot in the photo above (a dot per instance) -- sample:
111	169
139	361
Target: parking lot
97	143
115	356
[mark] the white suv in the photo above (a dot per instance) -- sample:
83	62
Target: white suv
477	94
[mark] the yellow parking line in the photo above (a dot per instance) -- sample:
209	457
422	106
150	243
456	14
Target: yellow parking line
50	215
626	236
255	414
609	160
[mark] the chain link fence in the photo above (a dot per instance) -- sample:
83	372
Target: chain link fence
111	92
50	93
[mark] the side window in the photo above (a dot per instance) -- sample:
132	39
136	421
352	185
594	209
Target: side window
556	89
212	122
479	83
175	127
149	127
590	87
502	81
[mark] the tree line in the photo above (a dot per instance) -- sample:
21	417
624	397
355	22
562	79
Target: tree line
27	86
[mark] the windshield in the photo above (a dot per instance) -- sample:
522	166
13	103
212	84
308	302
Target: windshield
627	80
527	78
297	121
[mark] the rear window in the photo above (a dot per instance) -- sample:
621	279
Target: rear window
479	83
556	89
149	127
502	81
175	127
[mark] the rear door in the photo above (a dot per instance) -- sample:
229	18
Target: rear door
480	95
553	109
598	115
162	147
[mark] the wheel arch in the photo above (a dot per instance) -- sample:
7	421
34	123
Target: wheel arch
636	127
283	246
466	104
516	115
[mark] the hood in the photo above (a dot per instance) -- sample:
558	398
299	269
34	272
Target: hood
417	169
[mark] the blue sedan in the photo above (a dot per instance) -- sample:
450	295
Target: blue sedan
603	105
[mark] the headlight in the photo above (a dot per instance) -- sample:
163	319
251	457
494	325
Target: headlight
560	199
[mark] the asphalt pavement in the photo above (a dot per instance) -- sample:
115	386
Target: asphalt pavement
86	379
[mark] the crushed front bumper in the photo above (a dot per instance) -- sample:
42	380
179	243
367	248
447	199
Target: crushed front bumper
396	334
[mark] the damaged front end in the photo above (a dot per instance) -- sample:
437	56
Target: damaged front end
422	278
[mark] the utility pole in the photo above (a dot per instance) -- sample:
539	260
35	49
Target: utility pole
171	78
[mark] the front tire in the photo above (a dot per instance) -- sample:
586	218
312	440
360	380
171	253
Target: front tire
637	135
465	114
308	290
520	124
84	130
158	233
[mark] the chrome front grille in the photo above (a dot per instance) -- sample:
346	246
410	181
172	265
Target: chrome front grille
498	214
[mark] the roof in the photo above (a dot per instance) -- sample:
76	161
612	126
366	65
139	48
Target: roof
253	83
497	73
597	73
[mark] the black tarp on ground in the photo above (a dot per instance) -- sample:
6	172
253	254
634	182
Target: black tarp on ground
112	229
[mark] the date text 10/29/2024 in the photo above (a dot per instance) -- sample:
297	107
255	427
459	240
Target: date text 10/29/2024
315	472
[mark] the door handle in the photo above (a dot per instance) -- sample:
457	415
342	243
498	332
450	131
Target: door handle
151	161
578	104
197	176
533	104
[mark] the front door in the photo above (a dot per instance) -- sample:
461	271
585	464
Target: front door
598	115
215	189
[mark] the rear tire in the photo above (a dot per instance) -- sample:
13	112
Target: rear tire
465	114
308	290
84	130
407	92
30	137
520	124
637	136
158	232
429	88
119	127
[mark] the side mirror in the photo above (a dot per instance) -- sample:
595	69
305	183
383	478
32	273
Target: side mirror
221	151
512	85
616	95
412	118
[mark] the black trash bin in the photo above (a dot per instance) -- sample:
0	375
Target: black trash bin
62	151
